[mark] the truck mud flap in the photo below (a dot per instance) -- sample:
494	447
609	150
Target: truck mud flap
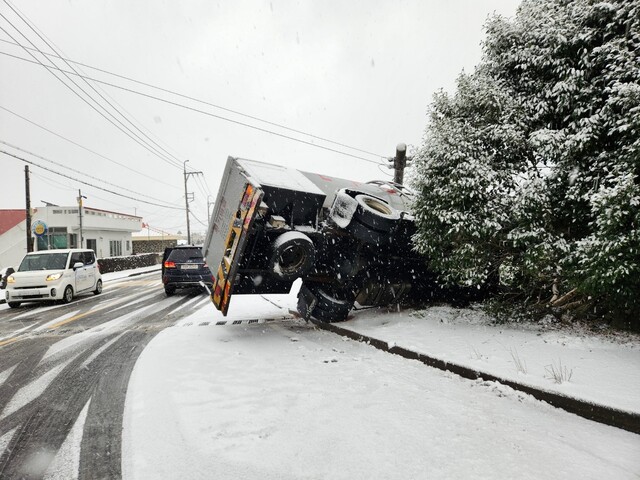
307	302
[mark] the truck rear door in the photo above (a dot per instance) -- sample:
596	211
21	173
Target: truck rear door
233	215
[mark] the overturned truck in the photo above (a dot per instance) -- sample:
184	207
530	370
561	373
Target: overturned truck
349	242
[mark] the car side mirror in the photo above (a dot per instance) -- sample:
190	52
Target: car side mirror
78	265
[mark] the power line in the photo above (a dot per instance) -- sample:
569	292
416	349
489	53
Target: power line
204	102
86	183
120	126
84	148
203	112
75	171
29	23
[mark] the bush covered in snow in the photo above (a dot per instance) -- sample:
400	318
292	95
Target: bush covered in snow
529	174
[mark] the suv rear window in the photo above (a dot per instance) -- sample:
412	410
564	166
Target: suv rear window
186	255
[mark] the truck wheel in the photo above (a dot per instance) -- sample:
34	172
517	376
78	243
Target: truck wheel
67	296
292	255
375	213
315	301
368	235
13	304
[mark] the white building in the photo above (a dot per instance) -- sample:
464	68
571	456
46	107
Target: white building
107	233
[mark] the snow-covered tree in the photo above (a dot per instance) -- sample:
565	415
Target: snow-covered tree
550	124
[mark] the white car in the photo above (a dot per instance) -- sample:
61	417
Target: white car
54	275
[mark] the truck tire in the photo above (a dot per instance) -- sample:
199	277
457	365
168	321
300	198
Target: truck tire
369	235
373	220
292	255
317	302
375	213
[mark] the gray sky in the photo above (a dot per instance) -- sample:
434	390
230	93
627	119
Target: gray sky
360	73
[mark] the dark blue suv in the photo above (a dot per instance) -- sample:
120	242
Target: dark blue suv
184	267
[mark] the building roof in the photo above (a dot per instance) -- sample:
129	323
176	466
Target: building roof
11	218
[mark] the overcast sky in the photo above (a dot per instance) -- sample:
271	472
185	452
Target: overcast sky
360	73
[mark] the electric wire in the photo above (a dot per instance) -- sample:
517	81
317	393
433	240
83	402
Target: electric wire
213	115
29	23
236	112
74	170
85	148
31	162
119	125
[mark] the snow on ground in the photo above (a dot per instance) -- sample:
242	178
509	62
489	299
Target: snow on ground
604	370
284	400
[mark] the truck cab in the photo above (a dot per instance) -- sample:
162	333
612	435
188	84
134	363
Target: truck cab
350	242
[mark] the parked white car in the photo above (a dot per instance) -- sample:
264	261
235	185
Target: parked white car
54	275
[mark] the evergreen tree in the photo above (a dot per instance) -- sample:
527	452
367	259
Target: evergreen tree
550	124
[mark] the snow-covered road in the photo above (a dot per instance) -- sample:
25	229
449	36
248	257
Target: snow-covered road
284	400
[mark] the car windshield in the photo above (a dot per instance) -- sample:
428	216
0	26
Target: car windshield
43	261
186	255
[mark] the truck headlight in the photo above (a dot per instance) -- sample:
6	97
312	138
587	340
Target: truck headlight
53	276
11	279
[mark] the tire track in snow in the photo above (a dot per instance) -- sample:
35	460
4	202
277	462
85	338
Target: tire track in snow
91	360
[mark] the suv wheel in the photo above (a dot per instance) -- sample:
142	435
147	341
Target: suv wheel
169	291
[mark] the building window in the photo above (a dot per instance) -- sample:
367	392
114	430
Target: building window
128	245
115	248
55	238
73	240
92	244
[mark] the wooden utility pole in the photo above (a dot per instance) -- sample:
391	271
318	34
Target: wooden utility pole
186	197
27	190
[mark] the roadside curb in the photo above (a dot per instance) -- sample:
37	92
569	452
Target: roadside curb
599	413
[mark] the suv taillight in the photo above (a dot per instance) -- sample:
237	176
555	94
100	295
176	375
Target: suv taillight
169	264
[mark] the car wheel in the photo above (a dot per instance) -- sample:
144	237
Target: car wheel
98	289
13	304
67	296
292	256
169	291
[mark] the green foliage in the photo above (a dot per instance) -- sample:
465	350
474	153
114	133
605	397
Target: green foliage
529	175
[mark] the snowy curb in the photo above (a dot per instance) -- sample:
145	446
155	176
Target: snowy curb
599	413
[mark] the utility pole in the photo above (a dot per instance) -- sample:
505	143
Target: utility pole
27	190
80	197
208	209
186	197
399	162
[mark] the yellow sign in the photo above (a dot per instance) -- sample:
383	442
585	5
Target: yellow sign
39	228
